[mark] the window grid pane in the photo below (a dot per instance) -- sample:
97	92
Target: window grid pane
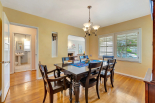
106	46
127	46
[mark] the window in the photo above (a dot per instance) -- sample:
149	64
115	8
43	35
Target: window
54	44
127	45
27	45
106	45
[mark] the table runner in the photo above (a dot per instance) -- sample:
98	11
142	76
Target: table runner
83	64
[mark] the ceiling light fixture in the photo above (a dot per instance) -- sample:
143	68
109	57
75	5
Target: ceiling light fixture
88	26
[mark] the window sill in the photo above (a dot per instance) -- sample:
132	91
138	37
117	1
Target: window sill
128	61
100	57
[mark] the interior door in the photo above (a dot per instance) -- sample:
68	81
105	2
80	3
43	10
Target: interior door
5	57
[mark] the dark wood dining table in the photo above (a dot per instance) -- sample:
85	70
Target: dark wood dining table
77	73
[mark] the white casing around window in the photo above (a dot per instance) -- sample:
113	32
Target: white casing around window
139	49
105	35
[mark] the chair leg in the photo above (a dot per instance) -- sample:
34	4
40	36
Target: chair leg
51	97
70	92
97	90
86	95
111	79
113	75
45	93
74	90
105	86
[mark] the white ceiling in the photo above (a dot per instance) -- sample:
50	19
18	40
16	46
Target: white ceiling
75	12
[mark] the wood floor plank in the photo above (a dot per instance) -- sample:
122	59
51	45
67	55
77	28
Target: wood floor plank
126	90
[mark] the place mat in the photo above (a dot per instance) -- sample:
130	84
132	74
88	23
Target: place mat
83	64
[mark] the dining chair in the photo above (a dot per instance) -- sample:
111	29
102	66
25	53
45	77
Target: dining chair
67	59
108	57
83	57
108	72
55	85
92	78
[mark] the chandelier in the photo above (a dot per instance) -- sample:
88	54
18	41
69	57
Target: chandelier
88	28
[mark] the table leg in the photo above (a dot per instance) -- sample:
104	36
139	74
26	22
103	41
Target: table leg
77	89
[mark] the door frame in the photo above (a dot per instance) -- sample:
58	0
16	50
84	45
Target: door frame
37	46
13	59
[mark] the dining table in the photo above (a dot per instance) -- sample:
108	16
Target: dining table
77	71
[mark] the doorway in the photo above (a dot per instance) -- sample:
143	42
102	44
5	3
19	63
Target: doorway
23	53
76	45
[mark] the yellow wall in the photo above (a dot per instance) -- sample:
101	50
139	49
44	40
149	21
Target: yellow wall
45	29
130	68
47	26
1	10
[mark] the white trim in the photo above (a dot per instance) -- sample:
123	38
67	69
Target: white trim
55	56
138	45
24	70
130	75
37	36
48	76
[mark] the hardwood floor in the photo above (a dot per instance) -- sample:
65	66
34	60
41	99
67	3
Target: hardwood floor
126	90
22	77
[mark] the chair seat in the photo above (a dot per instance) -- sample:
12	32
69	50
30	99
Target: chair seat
103	73
91	81
57	85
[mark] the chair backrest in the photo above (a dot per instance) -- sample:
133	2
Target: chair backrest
92	66
111	65
67	59
43	70
83	57
109	57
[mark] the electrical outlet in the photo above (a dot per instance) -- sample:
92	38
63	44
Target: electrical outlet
90	55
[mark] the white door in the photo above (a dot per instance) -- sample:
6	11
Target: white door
5	57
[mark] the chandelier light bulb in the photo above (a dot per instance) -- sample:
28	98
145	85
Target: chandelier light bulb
96	27
86	25
84	29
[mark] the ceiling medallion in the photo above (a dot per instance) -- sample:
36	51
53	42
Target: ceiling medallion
88	28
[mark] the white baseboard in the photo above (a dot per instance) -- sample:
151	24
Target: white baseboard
11	72
22	70
130	76
48	76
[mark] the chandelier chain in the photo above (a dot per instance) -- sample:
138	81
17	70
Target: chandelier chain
89	14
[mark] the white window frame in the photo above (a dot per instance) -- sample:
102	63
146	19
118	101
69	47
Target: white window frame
139	48
105	35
